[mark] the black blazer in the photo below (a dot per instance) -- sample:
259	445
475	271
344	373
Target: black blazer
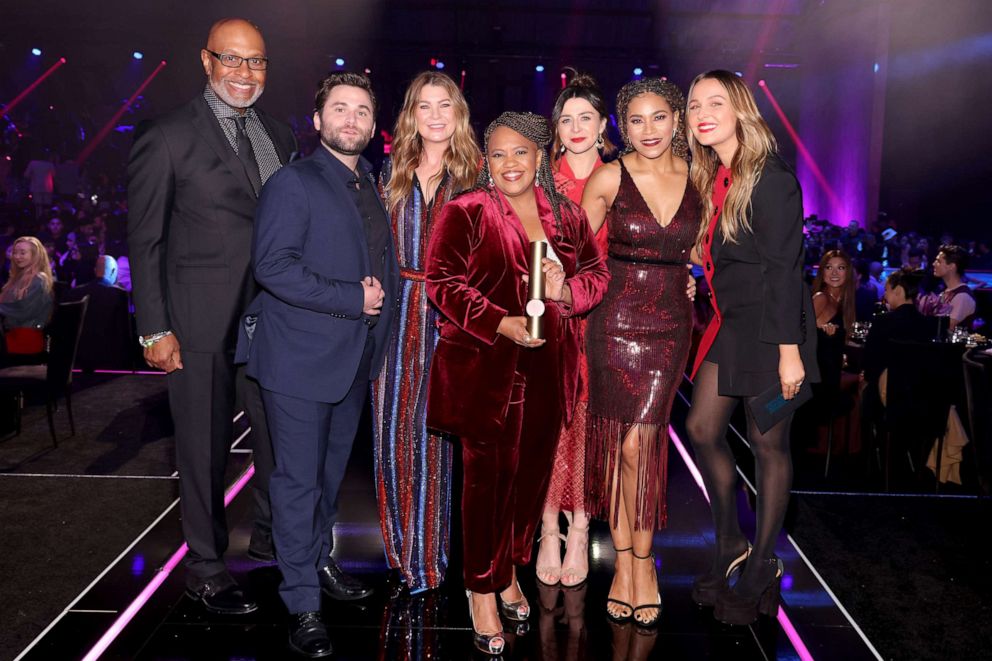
191	209
759	289
903	323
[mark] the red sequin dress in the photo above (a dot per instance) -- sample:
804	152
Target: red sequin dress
637	344
568	474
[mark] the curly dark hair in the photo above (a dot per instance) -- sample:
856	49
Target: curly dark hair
666	90
534	128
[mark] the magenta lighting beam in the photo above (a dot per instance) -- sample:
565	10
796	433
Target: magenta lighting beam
803	151
782	618
108	127
125	618
9	108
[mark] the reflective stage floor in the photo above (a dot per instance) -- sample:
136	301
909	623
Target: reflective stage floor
140	601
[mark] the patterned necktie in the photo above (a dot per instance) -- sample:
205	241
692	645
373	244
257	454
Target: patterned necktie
247	155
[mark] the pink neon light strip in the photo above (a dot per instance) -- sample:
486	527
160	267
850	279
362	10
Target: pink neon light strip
782	618
125	618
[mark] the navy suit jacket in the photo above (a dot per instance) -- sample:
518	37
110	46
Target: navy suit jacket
309	255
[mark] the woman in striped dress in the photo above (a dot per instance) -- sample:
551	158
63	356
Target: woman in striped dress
434	156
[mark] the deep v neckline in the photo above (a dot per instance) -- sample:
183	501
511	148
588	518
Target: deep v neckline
640	195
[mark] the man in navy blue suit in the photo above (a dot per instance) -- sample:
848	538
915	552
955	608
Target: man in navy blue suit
323	254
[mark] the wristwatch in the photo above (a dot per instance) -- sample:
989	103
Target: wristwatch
148	340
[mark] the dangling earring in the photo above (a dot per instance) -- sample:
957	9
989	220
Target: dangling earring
537	182
600	142
491	184
675	132
562	150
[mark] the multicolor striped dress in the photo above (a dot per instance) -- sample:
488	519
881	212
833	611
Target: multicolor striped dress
412	466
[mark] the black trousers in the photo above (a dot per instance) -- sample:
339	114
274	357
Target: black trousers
204	397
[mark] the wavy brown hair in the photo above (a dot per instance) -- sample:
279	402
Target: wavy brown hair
754	143
20	279
461	158
847	291
581	86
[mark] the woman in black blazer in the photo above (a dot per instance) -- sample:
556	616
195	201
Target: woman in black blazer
762	335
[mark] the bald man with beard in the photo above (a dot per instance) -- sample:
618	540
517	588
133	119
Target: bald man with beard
195	175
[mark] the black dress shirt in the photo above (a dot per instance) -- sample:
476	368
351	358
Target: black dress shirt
365	195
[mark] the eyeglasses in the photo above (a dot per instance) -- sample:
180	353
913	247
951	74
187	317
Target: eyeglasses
234	61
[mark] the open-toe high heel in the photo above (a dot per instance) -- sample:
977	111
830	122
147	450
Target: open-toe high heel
518	610
579	571
629	610
706	588
487	643
654	620
553	570
735	608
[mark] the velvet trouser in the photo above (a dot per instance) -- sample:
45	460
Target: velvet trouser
506	475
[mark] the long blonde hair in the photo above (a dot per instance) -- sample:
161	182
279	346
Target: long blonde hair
461	158
20	279
754	143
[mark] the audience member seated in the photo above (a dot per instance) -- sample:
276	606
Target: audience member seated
26	303
903	321
956	300
106	341
866	297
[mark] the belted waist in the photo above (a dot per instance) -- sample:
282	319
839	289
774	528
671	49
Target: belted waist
412	274
640	260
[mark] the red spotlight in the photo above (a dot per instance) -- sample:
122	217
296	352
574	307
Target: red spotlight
433	61
803	151
461	85
7	109
94	143
564	80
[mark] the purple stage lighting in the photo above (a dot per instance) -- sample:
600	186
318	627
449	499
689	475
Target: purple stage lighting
439	65
539	68
137	55
36	52
339	61
638	71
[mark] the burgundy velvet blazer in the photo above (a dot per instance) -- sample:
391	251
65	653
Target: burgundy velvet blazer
477	253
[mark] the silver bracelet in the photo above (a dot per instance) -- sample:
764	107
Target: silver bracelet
148	340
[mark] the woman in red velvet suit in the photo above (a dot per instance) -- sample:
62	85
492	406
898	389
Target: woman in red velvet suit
762	335
501	391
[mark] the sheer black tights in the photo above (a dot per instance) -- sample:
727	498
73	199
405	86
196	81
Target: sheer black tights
707	427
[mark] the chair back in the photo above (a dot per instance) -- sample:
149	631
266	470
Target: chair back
924	380
978	391
64	331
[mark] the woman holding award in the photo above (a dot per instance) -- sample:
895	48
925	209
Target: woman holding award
493	383
761	342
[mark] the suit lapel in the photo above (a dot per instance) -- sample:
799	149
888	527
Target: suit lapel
209	129
282	150
326	162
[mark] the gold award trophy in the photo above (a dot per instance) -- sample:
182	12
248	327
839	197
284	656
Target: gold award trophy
535	290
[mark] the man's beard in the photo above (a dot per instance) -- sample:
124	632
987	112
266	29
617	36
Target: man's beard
222	94
342	145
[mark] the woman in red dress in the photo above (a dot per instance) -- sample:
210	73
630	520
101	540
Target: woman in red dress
762	336
579	122
501	391
637	340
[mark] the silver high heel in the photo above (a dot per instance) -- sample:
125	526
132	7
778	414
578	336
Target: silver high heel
487	643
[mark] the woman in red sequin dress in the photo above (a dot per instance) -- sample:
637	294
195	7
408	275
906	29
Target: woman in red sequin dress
579	121
637	340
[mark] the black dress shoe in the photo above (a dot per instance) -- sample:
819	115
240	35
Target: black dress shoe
308	635
260	546
227	599
341	586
